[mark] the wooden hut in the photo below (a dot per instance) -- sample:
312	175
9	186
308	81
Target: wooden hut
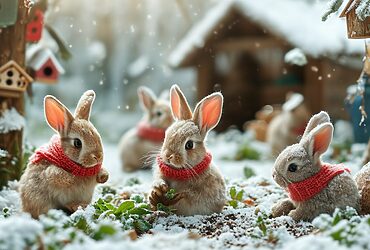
239	48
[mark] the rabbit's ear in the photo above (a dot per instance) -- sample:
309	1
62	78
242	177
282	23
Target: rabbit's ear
208	112
147	97
179	105
315	121
319	139
84	105
56	114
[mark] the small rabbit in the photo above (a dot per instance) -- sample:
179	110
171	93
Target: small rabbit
362	179
63	173
184	164
286	127
137	143
314	187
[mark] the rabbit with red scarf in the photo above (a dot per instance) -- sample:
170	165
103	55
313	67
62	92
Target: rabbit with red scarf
314	187
184	163
63	173
138	144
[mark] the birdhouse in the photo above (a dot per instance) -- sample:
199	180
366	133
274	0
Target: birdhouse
13	80
356	28
44	66
8	12
34	27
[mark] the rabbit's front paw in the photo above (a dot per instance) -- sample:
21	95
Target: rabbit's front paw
102	176
295	215
158	195
73	207
282	208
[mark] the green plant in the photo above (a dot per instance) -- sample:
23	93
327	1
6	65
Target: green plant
246	151
236	197
130	212
248	172
170	194
132	181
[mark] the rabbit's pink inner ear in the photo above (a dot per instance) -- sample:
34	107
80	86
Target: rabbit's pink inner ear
210	111
175	104
322	139
57	116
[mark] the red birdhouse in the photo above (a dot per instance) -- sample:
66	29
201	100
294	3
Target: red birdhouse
44	66
34	27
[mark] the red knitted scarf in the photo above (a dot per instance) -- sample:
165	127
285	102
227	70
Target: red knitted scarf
184	174
53	153
147	132
306	189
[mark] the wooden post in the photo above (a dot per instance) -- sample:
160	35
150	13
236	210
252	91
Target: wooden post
12	47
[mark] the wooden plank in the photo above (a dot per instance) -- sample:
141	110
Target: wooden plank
248	44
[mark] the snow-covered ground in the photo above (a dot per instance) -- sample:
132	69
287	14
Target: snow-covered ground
245	225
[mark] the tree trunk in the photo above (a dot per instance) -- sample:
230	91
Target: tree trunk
12	47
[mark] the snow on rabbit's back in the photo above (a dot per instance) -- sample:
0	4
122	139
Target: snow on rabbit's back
314	187
138	143
184	163
63	173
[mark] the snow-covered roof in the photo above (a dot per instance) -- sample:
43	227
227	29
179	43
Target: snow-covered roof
36	57
298	22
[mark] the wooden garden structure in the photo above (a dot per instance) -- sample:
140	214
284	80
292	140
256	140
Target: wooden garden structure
239	48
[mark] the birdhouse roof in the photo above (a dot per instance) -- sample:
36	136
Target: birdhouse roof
37	56
18	68
297	22
349	6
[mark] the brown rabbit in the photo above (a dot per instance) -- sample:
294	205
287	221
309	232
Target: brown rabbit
137	143
314	187
363	184
286	127
64	173
184	164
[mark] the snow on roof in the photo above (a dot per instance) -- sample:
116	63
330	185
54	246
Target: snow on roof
11	120
298	22
36	57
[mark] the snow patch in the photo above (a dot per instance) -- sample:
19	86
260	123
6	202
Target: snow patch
11	120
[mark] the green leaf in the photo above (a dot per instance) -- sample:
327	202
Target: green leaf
142	226
239	196
137	198
233	203
125	206
103	231
139	211
170	194
233	192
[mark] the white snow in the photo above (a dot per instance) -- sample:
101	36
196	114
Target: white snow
296	57
298	22
19	232
11	120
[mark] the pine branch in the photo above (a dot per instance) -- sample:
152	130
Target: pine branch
333	6
63	50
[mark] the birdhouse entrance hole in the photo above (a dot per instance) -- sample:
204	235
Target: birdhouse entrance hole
48	71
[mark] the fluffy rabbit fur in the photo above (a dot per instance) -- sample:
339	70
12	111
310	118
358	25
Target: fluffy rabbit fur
44	186
204	193
280	132
135	151
363	183
341	190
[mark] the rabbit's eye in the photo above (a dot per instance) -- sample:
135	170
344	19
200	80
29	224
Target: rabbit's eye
77	143
292	167
189	145
158	113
